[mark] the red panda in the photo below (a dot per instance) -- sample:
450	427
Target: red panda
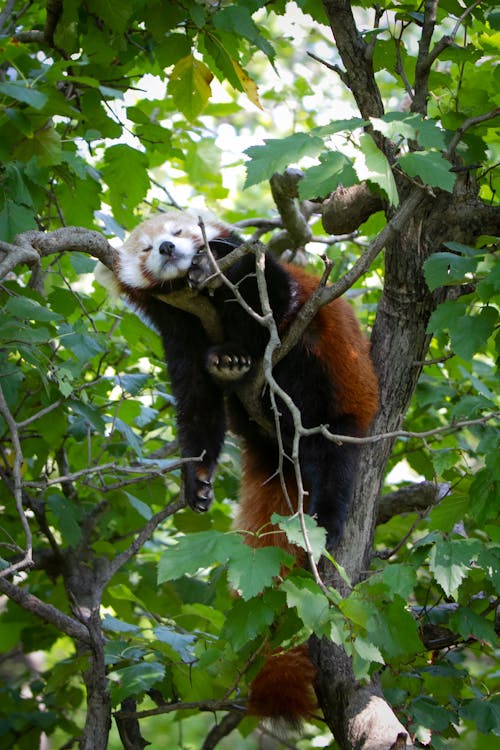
328	374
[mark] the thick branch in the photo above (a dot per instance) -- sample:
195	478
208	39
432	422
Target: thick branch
30	246
355	55
45	612
347	208
414	497
424	62
284	188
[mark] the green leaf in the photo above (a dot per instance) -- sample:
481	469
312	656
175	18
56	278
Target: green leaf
278	154
310	602
66	518
23	92
485	713
237	20
431	167
125	172
181	642
443	269
252	569
372	165
469	624
334	169
292	527
393	629
135	680
15	219
189	85
451	562
400	579
29	309
141	508
470	333
246	620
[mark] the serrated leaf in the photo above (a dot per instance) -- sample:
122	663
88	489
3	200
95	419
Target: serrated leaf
334	169
117	626
45	145
23	92
484	713
442	269
394	630
196	551
189	85
135	680
292	527
469	624
180	642
430	166
141	508
372	165
238	20
15	219
248	85
400	579
246	620
29	309
368	651
125	172
470	333
450	563
252	569
277	154
310	602
66	518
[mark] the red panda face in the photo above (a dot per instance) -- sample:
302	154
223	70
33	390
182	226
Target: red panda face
162	248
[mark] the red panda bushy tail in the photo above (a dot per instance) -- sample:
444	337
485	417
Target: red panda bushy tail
283	690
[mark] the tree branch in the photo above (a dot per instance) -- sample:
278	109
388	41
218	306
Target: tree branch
30	246
354	52
414	497
45	612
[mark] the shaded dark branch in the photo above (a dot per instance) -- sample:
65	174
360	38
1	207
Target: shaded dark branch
54	10
424	61
142	537
222	729
284	188
347	208
414	497
466	125
355	55
323	295
45	612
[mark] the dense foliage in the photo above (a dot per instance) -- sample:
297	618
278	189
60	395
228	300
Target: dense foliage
107	111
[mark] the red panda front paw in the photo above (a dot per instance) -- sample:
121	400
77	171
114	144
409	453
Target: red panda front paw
198	489
200	271
227	363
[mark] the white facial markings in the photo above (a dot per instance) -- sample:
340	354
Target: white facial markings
145	258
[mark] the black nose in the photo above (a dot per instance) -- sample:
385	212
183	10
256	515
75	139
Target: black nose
166	248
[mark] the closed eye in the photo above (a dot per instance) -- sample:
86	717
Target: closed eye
146	249
178	233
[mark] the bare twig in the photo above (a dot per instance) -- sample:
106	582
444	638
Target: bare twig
17	465
466	125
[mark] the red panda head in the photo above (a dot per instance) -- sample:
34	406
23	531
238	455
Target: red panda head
162	248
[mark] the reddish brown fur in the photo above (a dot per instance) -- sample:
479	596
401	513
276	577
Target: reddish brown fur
335	338
284	686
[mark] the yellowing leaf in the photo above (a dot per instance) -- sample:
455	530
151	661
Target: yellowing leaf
189	85
249	85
